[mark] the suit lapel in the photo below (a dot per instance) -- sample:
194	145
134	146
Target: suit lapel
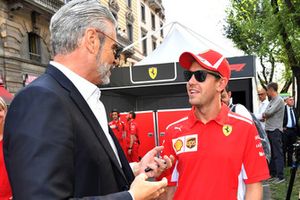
125	165
86	112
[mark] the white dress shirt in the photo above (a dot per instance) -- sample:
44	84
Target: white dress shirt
91	93
289	119
262	108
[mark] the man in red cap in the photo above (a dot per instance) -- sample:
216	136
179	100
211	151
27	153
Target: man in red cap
212	145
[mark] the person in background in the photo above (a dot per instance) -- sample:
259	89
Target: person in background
243	111
133	137
57	142
273	117
118	127
237	108
262	95
290	130
5	189
212	145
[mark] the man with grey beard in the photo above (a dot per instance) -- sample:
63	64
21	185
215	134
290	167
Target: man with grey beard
57	142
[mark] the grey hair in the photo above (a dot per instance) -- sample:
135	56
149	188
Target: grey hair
69	23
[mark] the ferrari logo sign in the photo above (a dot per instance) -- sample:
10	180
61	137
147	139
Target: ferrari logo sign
152	72
227	129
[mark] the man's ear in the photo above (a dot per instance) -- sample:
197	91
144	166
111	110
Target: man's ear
91	40
229	94
222	83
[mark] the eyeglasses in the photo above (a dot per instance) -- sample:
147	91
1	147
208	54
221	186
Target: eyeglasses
260	94
200	75
117	47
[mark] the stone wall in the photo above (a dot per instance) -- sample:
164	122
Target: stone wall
15	24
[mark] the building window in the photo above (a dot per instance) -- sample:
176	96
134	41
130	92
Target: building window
34	47
161	30
153	21
130	32
129	3
143	13
144	43
153	44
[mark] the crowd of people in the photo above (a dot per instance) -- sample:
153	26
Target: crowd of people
278	117
280	120
127	134
58	143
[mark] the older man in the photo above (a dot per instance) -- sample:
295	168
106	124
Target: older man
262	96
290	130
58	144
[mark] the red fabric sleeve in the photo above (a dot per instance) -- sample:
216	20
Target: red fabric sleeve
254	161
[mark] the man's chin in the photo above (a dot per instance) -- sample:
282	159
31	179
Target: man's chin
105	81
193	101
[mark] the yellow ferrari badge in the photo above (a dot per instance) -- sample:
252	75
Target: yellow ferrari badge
227	129
178	145
152	71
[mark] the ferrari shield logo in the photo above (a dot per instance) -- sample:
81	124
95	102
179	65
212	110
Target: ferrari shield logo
152	71
227	129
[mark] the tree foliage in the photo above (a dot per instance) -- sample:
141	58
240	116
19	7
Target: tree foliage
269	29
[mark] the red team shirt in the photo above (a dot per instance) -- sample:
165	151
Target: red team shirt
5	189
209	157
118	127
132	129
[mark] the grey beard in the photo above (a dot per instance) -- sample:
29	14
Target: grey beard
103	70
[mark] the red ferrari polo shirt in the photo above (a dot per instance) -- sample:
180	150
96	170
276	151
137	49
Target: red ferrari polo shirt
209	157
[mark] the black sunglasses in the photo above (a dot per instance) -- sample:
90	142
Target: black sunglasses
200	75
117	48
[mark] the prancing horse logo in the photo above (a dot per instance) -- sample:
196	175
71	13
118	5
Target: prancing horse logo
227	129
152	72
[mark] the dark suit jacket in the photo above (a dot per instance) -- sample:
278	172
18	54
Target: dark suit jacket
55	148
285	117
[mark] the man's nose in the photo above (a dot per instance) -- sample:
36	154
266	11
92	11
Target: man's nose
192	79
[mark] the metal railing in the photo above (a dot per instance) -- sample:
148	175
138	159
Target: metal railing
155	4
52	5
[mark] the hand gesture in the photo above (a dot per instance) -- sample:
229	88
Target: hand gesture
141	189
154	165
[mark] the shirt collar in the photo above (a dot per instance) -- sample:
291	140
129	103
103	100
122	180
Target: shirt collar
221	118
265	101
86	88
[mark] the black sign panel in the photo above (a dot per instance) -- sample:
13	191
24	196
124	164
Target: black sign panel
242	67
153	73
170	73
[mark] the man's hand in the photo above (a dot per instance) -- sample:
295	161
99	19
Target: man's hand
154	165
144	190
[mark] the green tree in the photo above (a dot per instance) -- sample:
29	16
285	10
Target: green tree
269	29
